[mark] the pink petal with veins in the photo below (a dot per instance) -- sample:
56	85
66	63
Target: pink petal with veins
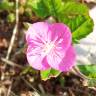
49	46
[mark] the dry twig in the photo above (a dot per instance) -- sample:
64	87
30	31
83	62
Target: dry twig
41	88
29	84
14	32
11	63
9	90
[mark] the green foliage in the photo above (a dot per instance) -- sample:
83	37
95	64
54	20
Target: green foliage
82	29
69	0
47	74
80	26
28	12
74	8
73	14
88	70
38	7
55	7
92	82
44	8
76	16
11	17
5	5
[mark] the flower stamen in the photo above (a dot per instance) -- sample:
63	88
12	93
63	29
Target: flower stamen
48	48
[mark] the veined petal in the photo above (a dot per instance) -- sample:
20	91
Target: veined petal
38	32
55	57
49	45
36	59
68	61
61	35
62	63
36	37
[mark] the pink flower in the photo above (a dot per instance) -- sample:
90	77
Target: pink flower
49	46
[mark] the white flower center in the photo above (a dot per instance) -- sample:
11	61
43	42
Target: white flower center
48	47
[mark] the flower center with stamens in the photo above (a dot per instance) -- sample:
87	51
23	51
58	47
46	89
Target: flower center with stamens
48	47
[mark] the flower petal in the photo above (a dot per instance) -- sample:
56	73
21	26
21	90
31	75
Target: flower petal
38	32
55	57
36	36
67	61
61	34
36	60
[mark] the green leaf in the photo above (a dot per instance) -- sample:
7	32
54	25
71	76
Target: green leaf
83	27
76	16
75	8
44	8
47	74
88	70
69	1
38	7
80	26
54	6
